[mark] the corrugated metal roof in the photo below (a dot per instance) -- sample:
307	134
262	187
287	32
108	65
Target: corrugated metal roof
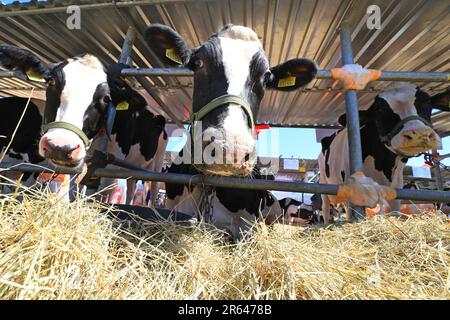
414	37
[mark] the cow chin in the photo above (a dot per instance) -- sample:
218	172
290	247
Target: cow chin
67	164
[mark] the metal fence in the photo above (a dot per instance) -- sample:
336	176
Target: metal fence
355	155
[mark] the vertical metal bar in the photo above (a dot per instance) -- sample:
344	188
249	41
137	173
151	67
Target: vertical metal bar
125	57
437	175
351	102
127	47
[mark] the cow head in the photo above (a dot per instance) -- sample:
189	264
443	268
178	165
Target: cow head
231	63
76	90
402	117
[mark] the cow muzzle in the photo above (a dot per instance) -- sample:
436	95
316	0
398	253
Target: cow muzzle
63	149
413	141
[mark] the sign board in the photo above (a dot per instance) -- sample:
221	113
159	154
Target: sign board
421	172
290	164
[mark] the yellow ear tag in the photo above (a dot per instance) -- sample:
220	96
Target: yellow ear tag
34	76
172	55
286	82
122	106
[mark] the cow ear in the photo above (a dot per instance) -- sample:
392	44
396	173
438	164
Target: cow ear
15	58
168	45
120	88
291	74
441	101
363	117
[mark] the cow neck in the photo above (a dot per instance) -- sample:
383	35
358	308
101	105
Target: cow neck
384	157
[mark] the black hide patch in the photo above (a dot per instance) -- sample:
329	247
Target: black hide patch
286	202
241	199
28	133
137	125
232	199
173	190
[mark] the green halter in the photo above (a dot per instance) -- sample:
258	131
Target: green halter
67	126
220	101
387	138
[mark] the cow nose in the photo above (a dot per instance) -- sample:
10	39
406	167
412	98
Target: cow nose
419	134
59	152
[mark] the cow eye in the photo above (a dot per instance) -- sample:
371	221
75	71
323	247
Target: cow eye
198	63
267	76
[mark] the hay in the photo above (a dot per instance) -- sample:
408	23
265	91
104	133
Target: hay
50	249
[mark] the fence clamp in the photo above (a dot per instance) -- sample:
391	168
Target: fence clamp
354	76
364	191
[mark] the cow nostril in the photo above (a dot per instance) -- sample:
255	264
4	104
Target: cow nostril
407	136
71	150
213	153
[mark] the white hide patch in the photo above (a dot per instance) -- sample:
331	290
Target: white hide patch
236	57
401	96
82	76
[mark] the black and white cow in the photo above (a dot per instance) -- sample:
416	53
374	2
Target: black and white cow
73	84
394	128
138	136
24	145
294	208
77	98
230	62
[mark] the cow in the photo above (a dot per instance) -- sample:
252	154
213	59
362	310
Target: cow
77	97
394	128
231	73
138	136
73	85
294	208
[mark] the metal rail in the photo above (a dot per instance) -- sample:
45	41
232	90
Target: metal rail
224	182
322	74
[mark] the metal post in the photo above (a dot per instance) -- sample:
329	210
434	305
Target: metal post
127	48
125	57
351	102
437	175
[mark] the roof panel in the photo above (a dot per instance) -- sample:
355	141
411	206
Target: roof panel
414	37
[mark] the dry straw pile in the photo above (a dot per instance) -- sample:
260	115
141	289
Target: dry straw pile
50	249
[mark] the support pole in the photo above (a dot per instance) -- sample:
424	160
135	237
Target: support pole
127	47
437	175
125	57
351	102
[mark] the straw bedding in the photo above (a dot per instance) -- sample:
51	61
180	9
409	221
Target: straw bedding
50	249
